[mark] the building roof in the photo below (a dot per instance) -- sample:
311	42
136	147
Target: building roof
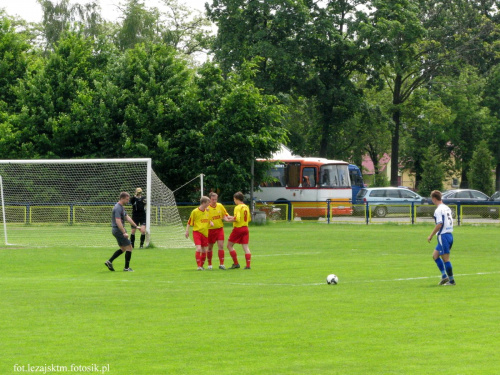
369	168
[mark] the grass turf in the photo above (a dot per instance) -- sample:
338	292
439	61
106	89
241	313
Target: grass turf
61	306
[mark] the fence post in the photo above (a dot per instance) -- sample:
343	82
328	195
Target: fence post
328	211
289	211
412	213
367	212
459	211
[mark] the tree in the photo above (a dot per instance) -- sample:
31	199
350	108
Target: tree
13	59
411	45
140	25
62	16
472	121
433	172
230	122
426	118
188	31
480	177
308	49
59	115
492	101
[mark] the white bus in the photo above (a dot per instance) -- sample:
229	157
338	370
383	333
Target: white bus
311	180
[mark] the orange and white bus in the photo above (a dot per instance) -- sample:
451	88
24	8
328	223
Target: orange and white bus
311	181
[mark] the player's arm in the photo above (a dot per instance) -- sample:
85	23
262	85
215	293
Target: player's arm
120	226
436	229
187	228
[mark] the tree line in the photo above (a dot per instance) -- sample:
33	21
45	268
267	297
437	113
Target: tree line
416	79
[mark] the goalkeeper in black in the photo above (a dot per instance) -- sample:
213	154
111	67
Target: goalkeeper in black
138	203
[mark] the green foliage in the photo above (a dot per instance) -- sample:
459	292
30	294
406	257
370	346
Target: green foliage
472	120
140	25
380	180
62	16
480	177
13	59
424	114
433	172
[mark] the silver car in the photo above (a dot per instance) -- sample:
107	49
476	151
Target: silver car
388	200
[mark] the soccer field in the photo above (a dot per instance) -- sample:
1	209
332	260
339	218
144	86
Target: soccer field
62	307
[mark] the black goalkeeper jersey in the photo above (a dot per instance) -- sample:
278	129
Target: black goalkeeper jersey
138	205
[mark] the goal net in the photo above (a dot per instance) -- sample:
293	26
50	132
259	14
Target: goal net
69	202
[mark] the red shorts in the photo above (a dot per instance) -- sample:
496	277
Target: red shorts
239	235
215	235
200	239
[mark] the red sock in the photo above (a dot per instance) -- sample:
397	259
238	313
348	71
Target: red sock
221	257
233	255
203	257
198	258
209	257
248	257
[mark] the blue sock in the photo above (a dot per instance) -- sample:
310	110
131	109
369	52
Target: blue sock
449	270
440	265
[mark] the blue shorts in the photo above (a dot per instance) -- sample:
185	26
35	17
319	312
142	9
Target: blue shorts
445	242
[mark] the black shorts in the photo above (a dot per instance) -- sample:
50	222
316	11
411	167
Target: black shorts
122	241
139	219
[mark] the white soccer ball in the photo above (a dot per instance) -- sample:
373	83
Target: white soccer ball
332	279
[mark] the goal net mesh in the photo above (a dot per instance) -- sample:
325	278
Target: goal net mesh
69	204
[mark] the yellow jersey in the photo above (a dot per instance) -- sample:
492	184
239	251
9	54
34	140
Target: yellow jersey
241	216
200	221
216	214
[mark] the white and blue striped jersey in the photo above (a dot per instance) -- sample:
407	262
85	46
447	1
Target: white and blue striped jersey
443	215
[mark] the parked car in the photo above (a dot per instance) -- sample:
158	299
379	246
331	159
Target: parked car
472	197
387	200
495	197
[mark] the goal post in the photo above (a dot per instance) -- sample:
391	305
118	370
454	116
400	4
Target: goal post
51	202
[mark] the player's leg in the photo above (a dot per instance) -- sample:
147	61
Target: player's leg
232	252
128	255
121	242
447	244
440	265
198	256
248	255
436	255
209	254
132	233
220	245
143	233
204	250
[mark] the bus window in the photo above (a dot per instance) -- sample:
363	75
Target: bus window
309	177
334	176
293	174
277	174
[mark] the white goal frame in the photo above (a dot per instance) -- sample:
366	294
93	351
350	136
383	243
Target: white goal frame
150	176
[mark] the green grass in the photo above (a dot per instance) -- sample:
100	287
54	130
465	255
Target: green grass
61	306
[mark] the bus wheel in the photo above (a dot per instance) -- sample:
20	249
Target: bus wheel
380	211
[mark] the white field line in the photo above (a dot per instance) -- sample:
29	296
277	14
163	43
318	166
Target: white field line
279	255
243	283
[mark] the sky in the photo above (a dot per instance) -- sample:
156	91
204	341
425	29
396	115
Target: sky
31	11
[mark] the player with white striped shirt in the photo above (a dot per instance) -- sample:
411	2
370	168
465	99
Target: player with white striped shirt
444	230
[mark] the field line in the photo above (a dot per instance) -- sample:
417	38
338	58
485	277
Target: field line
241	283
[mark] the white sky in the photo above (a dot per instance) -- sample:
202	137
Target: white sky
31	11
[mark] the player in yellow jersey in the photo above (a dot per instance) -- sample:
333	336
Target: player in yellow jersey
240	230
200	222
217	214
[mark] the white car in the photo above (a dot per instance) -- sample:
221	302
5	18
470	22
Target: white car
388	200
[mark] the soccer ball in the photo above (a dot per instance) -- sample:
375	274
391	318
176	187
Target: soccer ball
332	279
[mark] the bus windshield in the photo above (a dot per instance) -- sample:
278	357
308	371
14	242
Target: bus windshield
335	176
